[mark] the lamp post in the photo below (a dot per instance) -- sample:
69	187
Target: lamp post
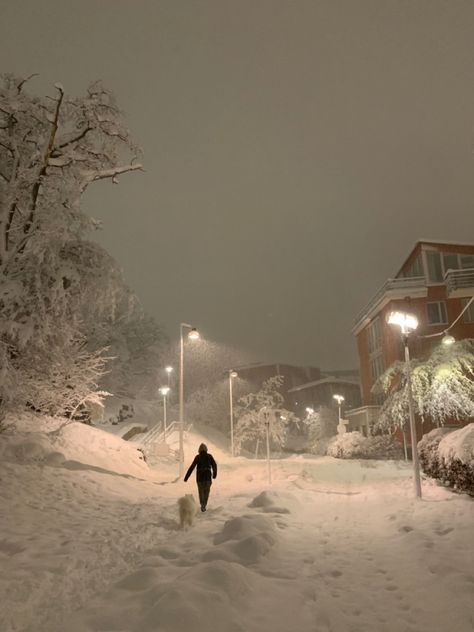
266	419
408	323
193	334
164	390
232	375
169	371
339	399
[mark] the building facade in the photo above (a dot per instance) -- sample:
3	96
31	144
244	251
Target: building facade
435	283
321	393
256	374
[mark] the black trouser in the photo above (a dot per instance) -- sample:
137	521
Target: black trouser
204	487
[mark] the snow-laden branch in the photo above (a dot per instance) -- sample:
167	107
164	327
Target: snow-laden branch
92	176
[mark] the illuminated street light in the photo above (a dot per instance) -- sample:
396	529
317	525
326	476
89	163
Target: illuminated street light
164	390
339	399
448	340
232	375
309	410
192	335
408	323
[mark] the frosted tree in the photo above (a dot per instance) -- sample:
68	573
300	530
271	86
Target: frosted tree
51	281
442	386
321	424
255	409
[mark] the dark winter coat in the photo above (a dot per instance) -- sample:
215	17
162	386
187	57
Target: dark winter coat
205	467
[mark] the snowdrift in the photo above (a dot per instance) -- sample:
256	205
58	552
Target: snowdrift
57	442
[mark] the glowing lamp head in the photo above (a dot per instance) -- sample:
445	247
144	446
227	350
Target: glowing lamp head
194	334
169	369
164	390
448	340
233	374
309	410
406	322
339	398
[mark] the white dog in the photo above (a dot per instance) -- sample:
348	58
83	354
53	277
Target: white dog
187	510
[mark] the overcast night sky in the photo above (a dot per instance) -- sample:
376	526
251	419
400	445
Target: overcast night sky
294	151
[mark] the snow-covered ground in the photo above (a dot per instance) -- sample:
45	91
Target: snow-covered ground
90	543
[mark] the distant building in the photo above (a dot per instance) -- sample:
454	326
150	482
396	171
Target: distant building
321	393
304	386
435	282
256	374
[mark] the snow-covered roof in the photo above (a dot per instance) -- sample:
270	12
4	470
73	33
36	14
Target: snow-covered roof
324	380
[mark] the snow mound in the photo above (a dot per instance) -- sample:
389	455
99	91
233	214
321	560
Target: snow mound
73	445
266	501
458	445
245	540
207	596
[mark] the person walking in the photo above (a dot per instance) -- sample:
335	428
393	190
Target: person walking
206	470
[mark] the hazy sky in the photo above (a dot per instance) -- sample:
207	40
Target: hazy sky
295	151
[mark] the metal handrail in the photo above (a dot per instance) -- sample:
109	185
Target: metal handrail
157	432
390	284
459	279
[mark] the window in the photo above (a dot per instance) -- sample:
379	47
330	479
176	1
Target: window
374	334
376	366
416	268
437	313
440	262
467	261
450	261
468	316
435	270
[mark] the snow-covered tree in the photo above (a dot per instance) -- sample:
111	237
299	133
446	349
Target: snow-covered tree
52	285
321	424
442	386
255	410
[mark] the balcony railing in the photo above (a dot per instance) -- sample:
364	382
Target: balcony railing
459	281
392	288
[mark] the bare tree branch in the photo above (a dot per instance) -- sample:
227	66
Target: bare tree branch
76	139
92	176
23	81
42	173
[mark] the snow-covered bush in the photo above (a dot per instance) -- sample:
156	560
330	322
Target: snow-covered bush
428	451
448	455
346	446
353	445
456	456
320	446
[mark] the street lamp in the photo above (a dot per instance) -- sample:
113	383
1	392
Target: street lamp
169	370
193	334
408	323
309	410
339	399
164	390
232	375
448	340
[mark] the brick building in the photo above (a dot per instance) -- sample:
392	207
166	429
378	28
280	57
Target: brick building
435	282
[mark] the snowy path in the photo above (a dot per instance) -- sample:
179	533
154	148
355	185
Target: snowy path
332	547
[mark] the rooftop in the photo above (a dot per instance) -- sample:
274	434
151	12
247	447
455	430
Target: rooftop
325	380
